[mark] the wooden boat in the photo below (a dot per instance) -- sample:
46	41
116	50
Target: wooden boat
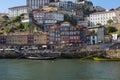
106	59
40	58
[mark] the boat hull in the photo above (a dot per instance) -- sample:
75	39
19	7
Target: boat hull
40	58
106	59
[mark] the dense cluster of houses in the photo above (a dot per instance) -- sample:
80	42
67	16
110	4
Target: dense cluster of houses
50	12
58	36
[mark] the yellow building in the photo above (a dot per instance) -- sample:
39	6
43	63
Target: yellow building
17	38
24	38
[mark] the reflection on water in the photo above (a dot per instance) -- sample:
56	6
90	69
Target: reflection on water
62	69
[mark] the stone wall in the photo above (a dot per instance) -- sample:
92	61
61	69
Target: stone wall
81	54
90	54
9	54
113	53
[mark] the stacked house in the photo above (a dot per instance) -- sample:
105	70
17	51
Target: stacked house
51	15
66	35
23	38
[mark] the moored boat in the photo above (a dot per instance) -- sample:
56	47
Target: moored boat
106	59
40	58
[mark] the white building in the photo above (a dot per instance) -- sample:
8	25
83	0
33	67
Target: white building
16	11
114	36
101	17
36	4
47	17
26	18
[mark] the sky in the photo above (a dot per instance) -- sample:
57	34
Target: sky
107	4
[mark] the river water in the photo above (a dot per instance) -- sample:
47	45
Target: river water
59	69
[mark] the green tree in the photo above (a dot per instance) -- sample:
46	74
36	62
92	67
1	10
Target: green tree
5	17
71	19
26	26
86	11
61	7
4	20
18	18
110	21
35	29
111	29
98	24
6	30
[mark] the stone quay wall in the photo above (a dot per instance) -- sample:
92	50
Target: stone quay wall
82	54
10	54
113	53
89	54
62	54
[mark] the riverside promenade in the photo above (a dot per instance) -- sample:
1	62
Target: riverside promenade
7	51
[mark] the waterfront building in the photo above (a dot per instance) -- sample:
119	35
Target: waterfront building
23	38
30	39
16	39
95	35
13	39
3	39
40	38
54	36
66	35
17	10
108	39
36	4
101	17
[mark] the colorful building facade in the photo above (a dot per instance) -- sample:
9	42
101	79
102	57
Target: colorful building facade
24	38
66	35
95	35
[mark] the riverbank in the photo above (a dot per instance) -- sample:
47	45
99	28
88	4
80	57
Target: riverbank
81	54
